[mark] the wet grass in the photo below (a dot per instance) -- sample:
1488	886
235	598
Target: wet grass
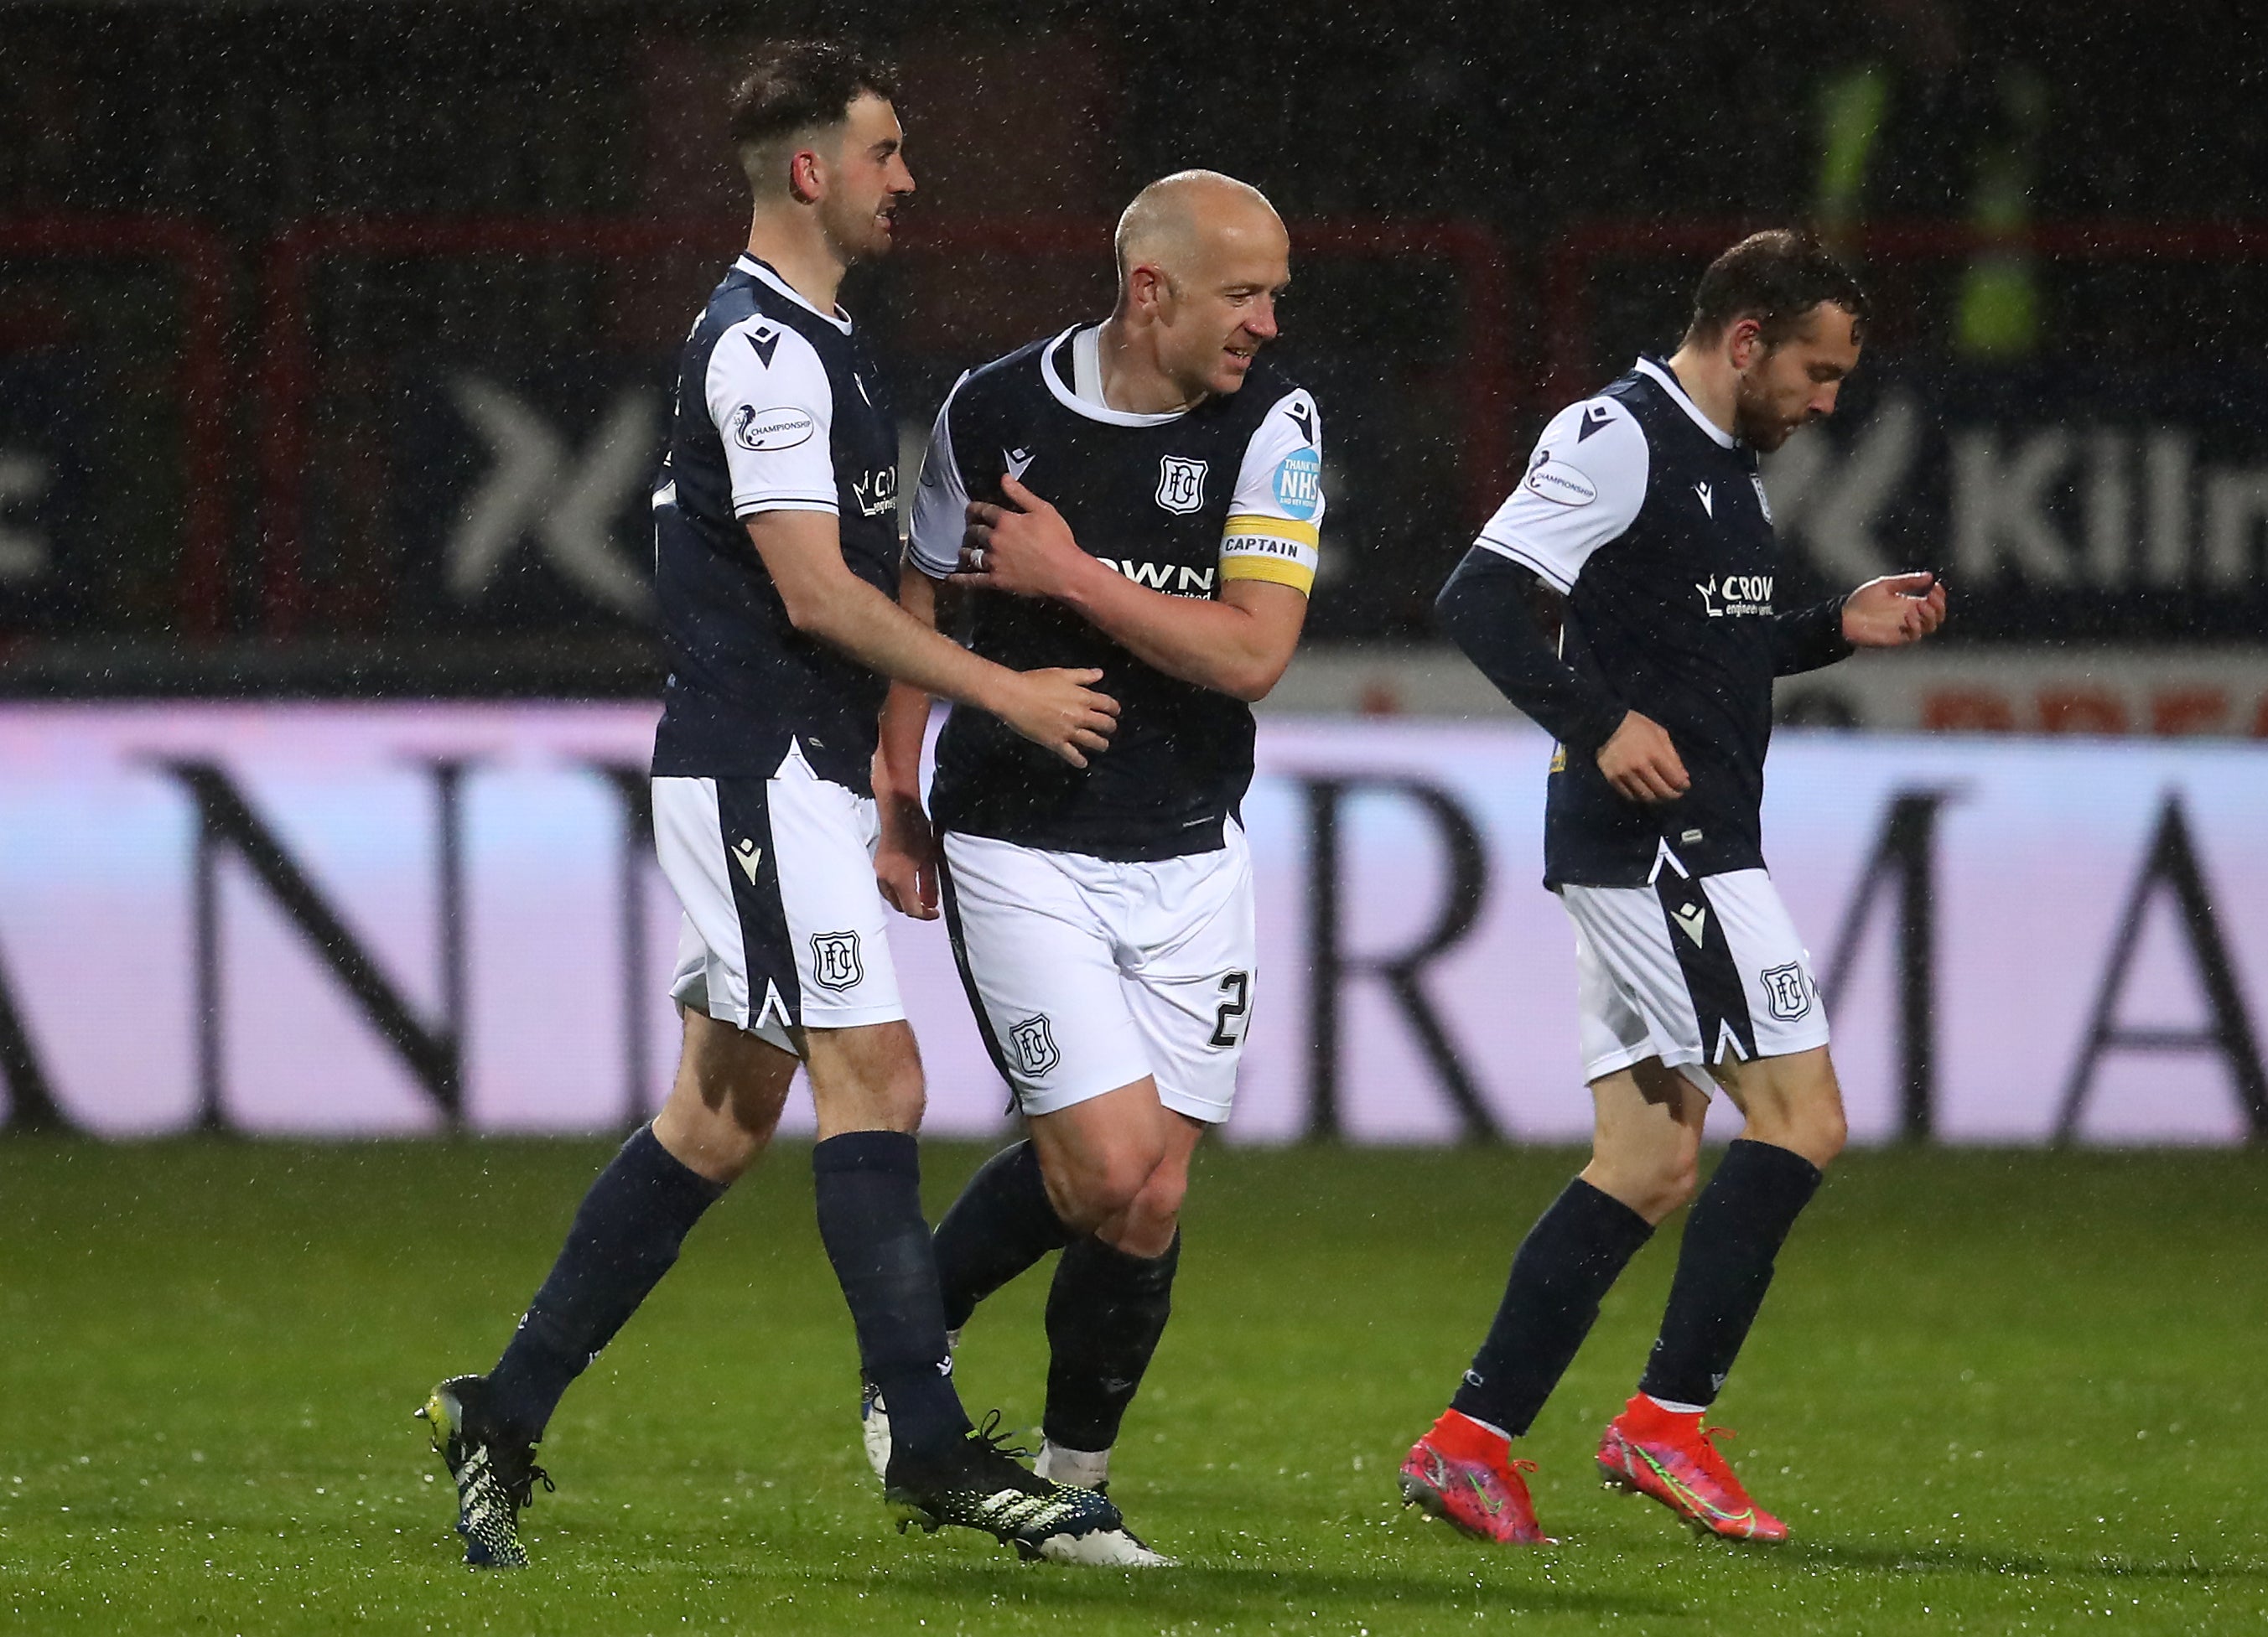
1991	1393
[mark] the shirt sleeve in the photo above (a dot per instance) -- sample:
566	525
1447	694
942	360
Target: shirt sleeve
769	397
1809	638
1485	608
1584	484
941	501
1276	514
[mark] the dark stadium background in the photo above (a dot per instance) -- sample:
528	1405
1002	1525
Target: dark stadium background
261	265
1486	144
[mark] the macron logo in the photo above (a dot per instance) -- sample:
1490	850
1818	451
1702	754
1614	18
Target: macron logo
1019	461
1708	500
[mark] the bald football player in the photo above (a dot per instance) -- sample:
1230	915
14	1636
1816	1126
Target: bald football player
1139	496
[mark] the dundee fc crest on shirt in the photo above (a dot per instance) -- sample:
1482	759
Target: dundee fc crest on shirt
1786	991
1181	484
835	960
1035	1045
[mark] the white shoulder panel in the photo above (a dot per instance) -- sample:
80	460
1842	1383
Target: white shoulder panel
1282	473
1276	512
769	396
1584	484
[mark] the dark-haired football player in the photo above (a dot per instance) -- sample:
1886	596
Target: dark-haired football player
1642	508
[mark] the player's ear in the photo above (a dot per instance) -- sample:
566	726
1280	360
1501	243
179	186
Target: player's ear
806	176
1744	341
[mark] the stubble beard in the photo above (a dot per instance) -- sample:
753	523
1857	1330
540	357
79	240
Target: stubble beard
1756	424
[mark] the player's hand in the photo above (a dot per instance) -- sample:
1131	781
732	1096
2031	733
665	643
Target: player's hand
1641	763
1893	611
1059	709
1025	547
905	861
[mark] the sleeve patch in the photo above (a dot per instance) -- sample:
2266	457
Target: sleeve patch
1557	481
1299	483
761	430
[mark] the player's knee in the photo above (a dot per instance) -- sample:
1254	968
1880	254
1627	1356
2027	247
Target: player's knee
752	1111
1825	1133
904	1096
1121	1178
871	1078
1157	1210
1670	1185
1107	1182
1680	1181
1654	1184
1810	1123
710	1139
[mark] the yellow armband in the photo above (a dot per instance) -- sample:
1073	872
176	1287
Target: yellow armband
1254	547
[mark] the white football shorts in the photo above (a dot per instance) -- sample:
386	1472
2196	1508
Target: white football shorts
1691	970
783	924
1088	974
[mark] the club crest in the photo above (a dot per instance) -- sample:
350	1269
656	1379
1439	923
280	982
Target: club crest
835	960
1181	484
1036	1045
1786	992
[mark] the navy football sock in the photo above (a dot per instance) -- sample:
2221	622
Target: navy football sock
868	1185
625	1237
1106	1311
1725	1267
1002	1223
1564	1267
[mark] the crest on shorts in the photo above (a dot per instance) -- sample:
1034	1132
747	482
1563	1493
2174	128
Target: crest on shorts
1786	992
835	960
1180	483
1036	1045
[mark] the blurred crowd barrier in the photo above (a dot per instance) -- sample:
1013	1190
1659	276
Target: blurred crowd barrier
358	921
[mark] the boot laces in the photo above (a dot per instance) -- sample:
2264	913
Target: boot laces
516	1480
523	1493
1713	1459
994	1438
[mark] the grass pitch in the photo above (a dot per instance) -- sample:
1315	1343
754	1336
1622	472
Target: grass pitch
1990	1392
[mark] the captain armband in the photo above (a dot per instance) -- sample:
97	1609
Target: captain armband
1254	547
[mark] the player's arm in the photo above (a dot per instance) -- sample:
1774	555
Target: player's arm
1490	608
905	859
1238	645
1583	486
1886	612
1892	611
769	397
1805	639
825	600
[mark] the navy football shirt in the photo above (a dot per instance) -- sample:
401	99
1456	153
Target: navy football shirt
1652	519
777	409
1182	502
